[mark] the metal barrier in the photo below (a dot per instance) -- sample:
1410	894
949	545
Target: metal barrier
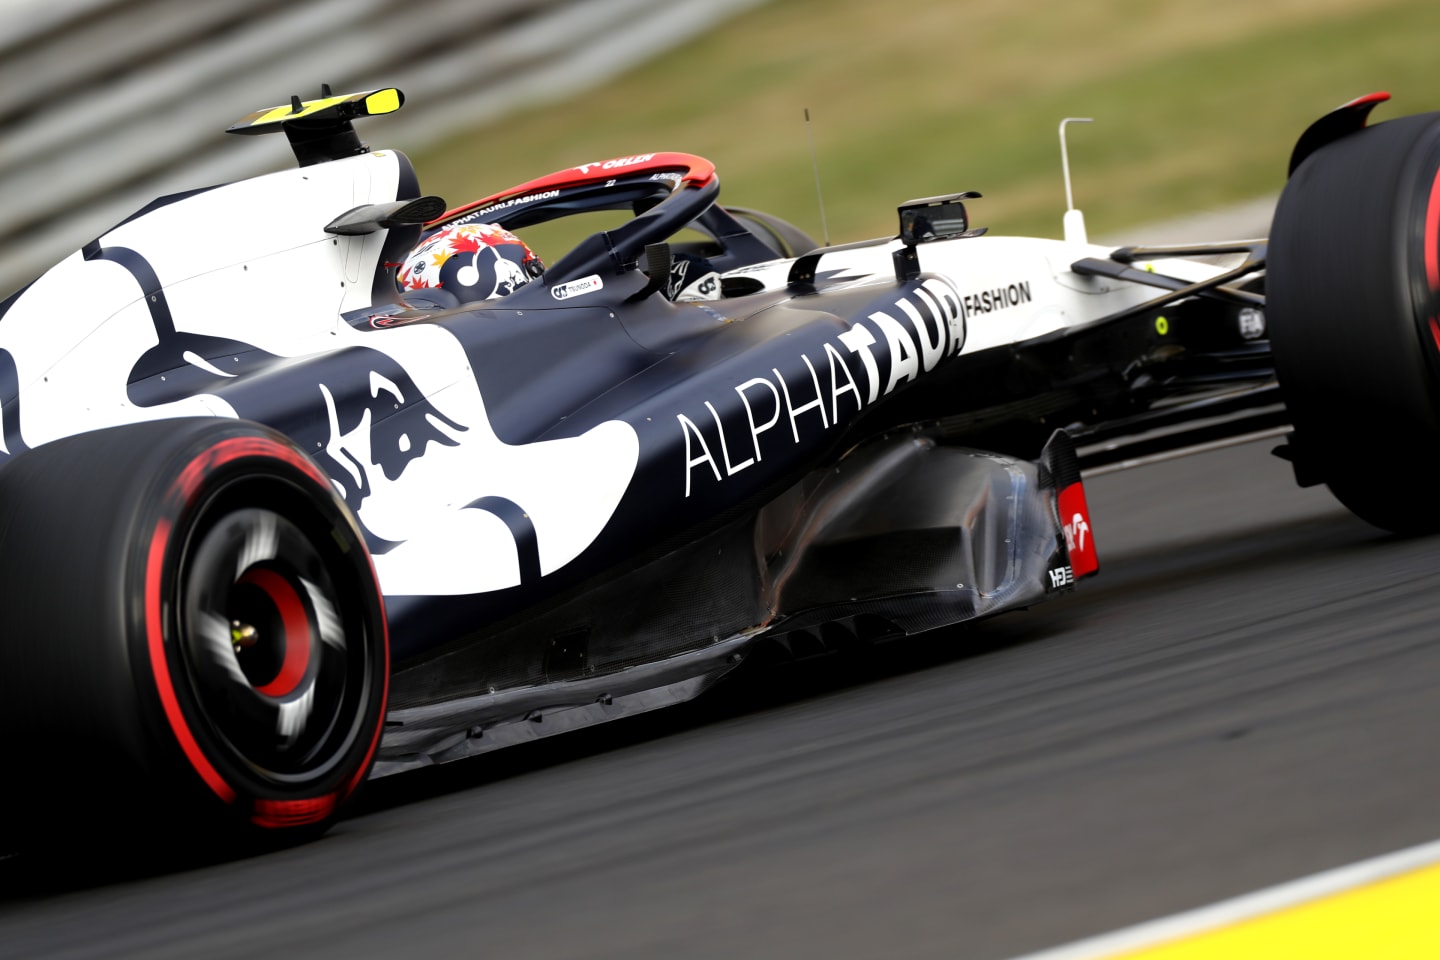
107	104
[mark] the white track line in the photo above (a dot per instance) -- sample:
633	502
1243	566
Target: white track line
1229	912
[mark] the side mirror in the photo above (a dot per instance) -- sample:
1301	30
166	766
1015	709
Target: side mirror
935	218
926	219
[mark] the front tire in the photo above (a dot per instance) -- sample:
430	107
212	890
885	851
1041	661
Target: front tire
1353	305
191	634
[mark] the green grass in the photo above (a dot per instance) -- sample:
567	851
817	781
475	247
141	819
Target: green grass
1196	104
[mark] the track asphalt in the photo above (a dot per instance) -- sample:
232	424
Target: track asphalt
1244	696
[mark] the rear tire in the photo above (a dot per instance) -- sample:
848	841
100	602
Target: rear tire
1353	304
191	635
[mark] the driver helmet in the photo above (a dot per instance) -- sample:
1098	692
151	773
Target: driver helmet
473	261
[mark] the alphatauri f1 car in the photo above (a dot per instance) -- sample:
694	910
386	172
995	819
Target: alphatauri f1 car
269	527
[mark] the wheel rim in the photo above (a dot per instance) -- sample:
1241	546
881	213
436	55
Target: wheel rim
272	646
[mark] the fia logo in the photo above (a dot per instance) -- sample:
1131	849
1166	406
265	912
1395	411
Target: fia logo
1252	323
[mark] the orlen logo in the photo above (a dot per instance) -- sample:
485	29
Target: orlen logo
617	163
1075	522
1075	532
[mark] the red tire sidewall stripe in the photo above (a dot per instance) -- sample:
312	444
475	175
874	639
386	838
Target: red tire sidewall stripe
364	769
233	448
160	666
1431	251
180	496
1432	236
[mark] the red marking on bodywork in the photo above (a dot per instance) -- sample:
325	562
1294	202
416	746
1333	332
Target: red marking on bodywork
1379	96
692	169
1075	519
297	630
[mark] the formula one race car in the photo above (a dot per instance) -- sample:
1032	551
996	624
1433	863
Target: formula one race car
270	524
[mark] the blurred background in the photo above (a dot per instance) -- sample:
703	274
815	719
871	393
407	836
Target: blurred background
105	104
1245	696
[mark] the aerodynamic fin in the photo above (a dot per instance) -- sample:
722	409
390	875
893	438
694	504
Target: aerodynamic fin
1344	119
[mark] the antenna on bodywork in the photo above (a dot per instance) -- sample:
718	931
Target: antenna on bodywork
1074	220
815	163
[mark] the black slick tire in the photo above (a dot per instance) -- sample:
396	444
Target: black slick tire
1353	306
191	635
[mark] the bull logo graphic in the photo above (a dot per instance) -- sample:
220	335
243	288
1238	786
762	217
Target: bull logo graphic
446	506
508	275
377	400
385	441
395	417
